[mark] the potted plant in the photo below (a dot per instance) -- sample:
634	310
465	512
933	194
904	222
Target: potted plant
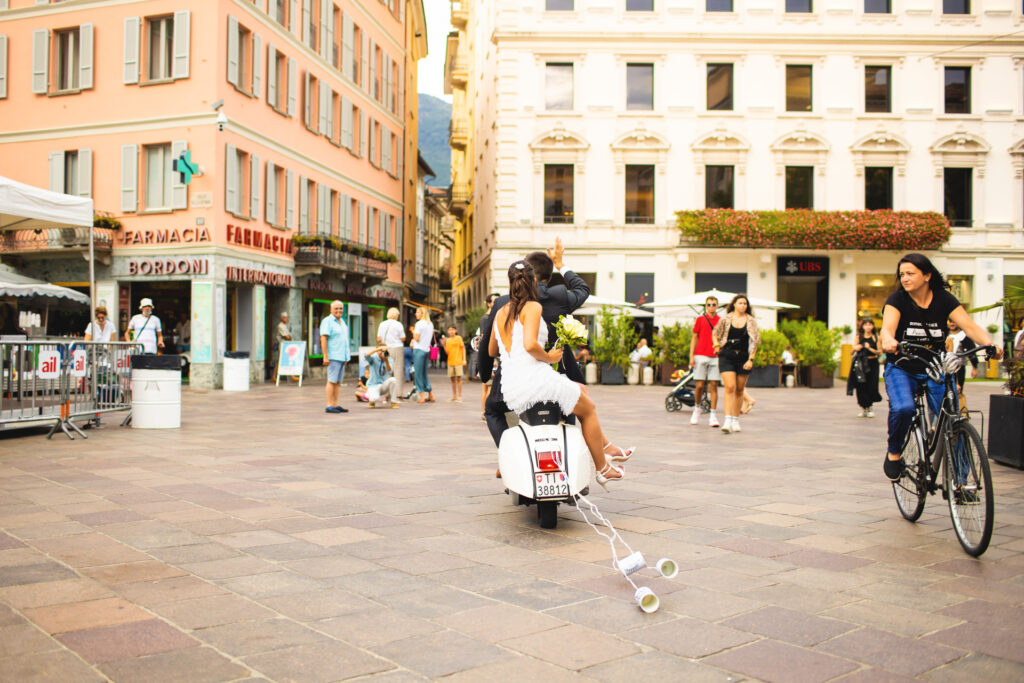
1006	416
816	347
768	360
672	350
613	344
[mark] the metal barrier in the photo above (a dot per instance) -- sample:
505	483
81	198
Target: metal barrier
59	382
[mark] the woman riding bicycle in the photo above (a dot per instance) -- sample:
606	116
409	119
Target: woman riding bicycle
916	312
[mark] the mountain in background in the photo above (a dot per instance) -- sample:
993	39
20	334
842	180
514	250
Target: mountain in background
435	114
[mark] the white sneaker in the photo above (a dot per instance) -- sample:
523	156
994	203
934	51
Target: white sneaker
695	416
870	413
862	413
713	419
735	425
727	427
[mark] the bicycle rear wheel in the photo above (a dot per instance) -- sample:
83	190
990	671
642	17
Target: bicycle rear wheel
910	490
968	483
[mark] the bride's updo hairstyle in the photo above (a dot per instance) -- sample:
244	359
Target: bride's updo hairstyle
522	288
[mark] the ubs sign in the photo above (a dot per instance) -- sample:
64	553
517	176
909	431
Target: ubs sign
798	266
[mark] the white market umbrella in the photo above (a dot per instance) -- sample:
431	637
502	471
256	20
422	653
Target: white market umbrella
696	301
19	286
593	306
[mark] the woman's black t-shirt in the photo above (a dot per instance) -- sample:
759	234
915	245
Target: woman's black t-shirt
925	326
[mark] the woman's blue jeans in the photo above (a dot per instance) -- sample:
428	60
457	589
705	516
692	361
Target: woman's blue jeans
420	358
900	386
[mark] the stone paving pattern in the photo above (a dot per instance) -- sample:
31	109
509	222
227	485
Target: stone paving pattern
266	540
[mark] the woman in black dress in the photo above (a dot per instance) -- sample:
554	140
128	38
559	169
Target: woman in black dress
864	368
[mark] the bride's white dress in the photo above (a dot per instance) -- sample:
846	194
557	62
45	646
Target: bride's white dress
526	381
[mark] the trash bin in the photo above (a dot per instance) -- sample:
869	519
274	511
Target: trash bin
236	371
156	392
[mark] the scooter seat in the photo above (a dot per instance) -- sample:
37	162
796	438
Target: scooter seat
546	413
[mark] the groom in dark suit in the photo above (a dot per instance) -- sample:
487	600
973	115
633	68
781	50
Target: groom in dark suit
556	300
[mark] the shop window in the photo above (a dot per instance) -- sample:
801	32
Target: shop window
877	89
958	196
956	6
558	193
639	194
958	89
640	86
724	282
961	286
798	87
639	288
558	86
639	5
878	187
872	291
558	5
718	6
799	187
799	6
157	165
71	172
719	87
877	6
718	187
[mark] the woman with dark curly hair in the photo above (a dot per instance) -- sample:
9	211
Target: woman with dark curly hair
735	339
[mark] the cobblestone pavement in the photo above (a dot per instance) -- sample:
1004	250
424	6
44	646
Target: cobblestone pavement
268	540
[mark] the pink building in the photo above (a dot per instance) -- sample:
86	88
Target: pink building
289	120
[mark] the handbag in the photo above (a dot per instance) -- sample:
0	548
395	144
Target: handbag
435	352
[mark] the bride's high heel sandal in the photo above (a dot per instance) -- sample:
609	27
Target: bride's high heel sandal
621	456
603	478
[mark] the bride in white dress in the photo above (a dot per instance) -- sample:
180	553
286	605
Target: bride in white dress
527	377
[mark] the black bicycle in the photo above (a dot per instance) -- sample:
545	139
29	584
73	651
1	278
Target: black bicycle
948	445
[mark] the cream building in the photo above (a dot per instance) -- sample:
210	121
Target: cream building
597	120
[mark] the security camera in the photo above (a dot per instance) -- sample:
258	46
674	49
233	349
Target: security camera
222	120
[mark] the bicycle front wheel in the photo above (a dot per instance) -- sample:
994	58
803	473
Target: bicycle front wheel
910	489
968	483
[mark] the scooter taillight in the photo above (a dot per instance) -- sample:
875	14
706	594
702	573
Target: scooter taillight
549	461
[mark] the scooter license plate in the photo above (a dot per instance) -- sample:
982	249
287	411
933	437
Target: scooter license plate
552	485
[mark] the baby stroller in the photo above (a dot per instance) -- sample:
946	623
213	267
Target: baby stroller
682	393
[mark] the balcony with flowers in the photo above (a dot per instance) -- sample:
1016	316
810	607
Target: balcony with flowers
317	252
808	229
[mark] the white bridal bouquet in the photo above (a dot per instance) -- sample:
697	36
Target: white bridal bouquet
571	333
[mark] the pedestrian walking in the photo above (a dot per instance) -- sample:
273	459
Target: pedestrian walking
422	337
736	338
863	379
145	328
391	334
704	361
455	349
102	329
334	345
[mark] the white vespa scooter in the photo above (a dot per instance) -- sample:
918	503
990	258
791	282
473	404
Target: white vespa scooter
545	461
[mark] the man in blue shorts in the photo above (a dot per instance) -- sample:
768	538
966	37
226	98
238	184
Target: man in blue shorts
334	344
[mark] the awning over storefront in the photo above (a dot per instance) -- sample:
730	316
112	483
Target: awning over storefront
415	305
19	286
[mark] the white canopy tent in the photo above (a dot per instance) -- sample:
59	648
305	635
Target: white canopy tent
24	207
593	305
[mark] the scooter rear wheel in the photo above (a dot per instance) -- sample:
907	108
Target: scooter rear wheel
547	514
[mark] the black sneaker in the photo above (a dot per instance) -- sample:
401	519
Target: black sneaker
339	409
893	468
966	497
331	409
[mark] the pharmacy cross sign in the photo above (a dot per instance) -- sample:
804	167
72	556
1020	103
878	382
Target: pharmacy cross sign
183	165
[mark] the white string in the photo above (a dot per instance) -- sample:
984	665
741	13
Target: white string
611	538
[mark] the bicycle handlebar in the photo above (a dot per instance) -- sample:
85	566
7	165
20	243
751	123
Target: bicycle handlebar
905	348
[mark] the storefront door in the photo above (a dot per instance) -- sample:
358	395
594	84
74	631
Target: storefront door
803	281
